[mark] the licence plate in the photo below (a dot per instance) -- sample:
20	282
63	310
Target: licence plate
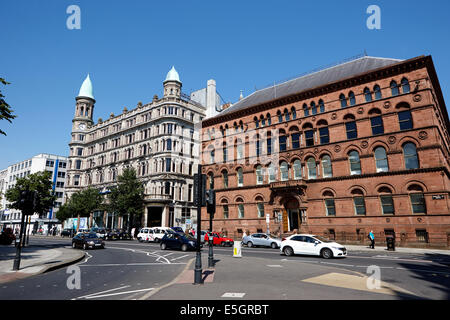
98	244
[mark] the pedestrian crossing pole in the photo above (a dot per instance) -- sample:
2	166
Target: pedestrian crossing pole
199	199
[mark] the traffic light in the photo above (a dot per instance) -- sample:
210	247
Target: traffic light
28	201
211	201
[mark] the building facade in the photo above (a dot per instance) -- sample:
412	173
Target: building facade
56	165
159	139
360	146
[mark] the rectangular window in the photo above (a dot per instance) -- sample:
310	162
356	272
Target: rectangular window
260	210
360	207
78	164
351	130
309	137
329	205
387	204
295	140
405	120
324	135
282	141
422	235
377	125
241	210
225	212
258	148
269	145
418	203
168	164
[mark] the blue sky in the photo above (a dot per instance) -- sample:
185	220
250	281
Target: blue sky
129	46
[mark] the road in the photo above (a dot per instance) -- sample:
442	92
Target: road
129	270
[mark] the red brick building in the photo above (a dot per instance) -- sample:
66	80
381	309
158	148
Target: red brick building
360	146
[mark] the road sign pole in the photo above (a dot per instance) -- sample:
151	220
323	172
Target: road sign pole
198	200
16	265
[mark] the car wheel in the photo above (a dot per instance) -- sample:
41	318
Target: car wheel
274	245
163	246
288	251
157	240
139	239
103	246
85	246
249	244
74	245
222	244
326	253
184	247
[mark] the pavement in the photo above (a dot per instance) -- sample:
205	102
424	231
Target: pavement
397	249
35	260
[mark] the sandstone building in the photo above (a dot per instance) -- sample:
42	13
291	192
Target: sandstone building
360	146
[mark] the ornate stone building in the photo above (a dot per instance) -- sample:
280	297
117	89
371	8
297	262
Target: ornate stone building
360	146
158	139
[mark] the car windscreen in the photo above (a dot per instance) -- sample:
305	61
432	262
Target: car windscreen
322	239
90	236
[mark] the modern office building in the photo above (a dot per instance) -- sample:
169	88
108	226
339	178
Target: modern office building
360	146
55	164
159	139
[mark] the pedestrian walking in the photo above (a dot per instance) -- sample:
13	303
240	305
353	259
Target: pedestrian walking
372	239
132	233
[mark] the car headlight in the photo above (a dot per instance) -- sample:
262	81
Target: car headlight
91	242
192	243
337	248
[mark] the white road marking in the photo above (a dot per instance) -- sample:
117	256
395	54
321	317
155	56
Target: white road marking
117	293
233	295
275	266
167	254
338	264
129	264
186	255
92	294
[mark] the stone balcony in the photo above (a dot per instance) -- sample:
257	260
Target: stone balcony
158	198
288	184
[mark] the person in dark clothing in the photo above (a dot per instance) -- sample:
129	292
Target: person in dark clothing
372	239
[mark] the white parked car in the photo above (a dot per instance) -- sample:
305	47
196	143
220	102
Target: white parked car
261	239
312	245
153	234
143	235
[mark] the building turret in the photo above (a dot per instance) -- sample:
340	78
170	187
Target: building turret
172	84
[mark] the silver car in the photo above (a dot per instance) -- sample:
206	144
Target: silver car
261	239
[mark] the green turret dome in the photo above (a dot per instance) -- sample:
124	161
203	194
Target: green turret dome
172	75
86	88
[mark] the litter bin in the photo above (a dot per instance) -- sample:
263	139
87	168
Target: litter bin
390	242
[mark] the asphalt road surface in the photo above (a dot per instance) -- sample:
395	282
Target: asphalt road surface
129	270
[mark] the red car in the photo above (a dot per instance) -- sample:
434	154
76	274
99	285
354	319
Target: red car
218	239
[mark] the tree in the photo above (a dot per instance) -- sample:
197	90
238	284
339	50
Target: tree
5	109
65	212
82	203
127	198
39	182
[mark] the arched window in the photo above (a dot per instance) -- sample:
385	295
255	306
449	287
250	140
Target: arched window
280	116
226	212
297	168
239	149
355	164
225	179
294	113
211	180
240	204
417	199
259	175
258	146
381	160
272	173
286	115
387	203
324	135
313	108
377	92
282	140
305	110
284	171
352	98
410	156
327	169
260	206
351	130
240	177
343	100
269	119
394	88
263	121
225	152
295	136
321	106
405	85
329	203
256	122
312	169
367	94
212	156
359	203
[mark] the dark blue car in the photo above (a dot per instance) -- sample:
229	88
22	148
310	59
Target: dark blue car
178	241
